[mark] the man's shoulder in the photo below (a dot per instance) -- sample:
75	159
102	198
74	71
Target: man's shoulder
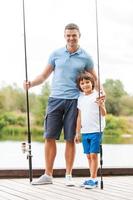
59	50
84	52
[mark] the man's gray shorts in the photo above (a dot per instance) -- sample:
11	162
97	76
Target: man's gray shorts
61	114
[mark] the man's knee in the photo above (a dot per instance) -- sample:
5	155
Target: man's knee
49	141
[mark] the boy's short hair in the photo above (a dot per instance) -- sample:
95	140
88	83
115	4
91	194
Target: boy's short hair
72	26
86	76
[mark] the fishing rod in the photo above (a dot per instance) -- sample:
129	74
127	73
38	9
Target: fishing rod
29	156
99	93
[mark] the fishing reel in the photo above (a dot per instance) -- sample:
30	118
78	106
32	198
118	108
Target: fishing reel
24	147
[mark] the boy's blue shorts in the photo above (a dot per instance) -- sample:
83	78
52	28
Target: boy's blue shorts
91	142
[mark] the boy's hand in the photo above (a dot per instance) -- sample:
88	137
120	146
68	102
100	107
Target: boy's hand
77	138
100	100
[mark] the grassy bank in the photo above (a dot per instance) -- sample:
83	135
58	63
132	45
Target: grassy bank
13	127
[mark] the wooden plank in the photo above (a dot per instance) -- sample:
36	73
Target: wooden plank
5	196
92	194
36	192
115	188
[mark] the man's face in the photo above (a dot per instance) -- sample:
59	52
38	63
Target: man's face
72	37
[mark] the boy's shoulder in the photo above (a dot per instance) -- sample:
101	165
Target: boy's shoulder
82	95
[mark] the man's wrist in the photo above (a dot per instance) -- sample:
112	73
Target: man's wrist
31	84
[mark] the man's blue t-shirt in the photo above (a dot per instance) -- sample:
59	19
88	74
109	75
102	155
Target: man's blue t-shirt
66	67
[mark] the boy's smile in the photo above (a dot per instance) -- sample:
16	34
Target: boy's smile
86	86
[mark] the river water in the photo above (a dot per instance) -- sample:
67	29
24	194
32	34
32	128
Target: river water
11	156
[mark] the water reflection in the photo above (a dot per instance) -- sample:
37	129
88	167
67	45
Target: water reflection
114	155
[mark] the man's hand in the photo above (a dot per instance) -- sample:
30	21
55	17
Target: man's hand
27	85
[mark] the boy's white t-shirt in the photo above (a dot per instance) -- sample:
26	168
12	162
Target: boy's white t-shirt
90	113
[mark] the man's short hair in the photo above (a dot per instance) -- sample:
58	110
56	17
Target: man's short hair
72	26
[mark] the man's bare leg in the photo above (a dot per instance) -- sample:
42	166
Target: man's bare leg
69	156
50	154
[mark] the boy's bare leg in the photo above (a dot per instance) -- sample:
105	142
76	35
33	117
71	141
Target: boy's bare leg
93	165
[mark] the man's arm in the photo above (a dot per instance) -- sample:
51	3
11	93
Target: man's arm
40	78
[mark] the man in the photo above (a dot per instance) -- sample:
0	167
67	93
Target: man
65	63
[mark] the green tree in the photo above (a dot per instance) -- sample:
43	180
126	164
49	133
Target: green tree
1	102
126	103
12	98
114	91
39	110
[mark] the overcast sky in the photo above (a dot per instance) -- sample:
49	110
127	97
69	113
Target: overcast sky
45	21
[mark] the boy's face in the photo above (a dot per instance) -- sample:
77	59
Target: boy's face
86	86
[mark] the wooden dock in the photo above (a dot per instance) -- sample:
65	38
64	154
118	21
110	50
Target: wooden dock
77	172
115	188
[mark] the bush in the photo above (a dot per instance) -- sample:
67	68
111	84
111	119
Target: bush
116	125
37	134
21	120
13	133
2	123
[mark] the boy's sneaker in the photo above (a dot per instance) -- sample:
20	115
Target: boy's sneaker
43	180
69	182
84	183
90	184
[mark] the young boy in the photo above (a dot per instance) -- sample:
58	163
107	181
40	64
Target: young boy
89	105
